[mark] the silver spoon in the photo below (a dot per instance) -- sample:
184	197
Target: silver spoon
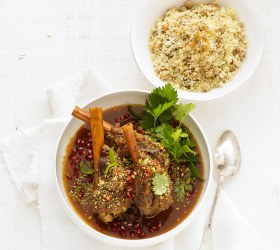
227	158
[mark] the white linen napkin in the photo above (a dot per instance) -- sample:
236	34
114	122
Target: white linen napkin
33	176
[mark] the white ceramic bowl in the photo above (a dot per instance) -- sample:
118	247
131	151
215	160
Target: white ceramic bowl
153	9
107	101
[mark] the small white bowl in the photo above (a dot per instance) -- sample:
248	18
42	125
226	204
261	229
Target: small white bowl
107	101
153	9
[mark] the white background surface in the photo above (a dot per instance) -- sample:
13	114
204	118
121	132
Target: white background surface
42	42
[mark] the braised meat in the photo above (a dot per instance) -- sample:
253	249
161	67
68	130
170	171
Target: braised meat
146	200
110	198
153	159
153	149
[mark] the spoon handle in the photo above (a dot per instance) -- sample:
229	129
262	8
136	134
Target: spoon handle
206	243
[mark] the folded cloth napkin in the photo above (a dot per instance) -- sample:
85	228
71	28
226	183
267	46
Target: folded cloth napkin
33	176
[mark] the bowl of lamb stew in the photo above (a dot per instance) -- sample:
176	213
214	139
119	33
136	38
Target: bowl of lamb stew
133	167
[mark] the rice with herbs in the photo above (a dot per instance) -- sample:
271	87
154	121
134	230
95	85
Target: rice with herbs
198	47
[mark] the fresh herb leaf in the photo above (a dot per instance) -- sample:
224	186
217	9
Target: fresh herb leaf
85	168
160	109
158	106
166	116
133	112
147	121
113	162
175	140
112	156
195	171
182	111
164	132
160	184
168	92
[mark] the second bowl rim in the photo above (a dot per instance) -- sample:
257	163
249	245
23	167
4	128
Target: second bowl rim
198	98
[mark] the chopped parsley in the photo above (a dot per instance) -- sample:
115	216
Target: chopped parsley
160	184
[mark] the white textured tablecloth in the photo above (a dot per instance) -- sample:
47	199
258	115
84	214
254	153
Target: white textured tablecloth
33	175
44	41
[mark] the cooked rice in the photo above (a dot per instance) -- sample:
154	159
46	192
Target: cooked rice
198	47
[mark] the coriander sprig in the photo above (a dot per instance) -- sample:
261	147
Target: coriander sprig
160	110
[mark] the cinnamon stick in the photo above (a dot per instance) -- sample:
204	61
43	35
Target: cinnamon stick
131	142
97	131
83	115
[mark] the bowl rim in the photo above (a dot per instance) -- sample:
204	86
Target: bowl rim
198	95
92	232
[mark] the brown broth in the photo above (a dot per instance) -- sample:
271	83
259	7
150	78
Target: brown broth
168	219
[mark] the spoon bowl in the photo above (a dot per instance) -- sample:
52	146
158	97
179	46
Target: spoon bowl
227	155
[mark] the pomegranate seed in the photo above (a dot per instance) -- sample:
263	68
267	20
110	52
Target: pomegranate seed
149	224
132	234
136	225
90	152
89	134
81	195
129	188
142	234
139	230
126	116
82	142
74	151
128	195
159	224
123	234
121	118
80	148
115	224
129	179
78	142
154	228
143	132
78	160
88	145
130	224
122	228
71	157
89	157
90	140
114	229
82	152
117	119
151	230
119	223
89	179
